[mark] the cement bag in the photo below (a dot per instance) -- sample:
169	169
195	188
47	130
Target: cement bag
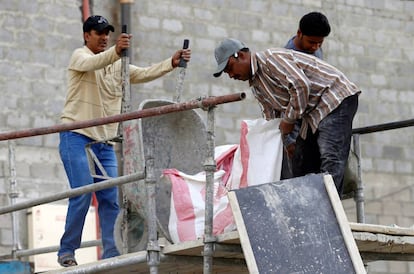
187	209
224	156
258	159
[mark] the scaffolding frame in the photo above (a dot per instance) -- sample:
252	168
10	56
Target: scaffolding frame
209	240
153	250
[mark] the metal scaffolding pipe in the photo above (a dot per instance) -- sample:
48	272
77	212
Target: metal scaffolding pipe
105	265
126	21
125	57
126	128
131	259
383	127
201	103
74	192
48	249
210	168
359	196
153	247
13	195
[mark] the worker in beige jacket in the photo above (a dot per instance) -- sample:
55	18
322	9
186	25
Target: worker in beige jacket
95	91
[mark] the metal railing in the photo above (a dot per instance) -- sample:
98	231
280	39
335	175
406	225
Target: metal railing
359	193
204	103
208	104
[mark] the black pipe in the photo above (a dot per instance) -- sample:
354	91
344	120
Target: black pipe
383	127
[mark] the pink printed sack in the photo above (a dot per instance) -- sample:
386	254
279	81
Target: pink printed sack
257	160
188	205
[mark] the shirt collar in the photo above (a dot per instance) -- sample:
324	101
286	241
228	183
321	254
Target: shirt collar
254	65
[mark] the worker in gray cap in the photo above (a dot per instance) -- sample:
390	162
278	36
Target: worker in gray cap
299	86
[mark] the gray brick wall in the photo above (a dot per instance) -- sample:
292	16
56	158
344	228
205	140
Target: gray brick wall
371	41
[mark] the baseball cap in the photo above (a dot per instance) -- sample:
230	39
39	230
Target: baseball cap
98	23
227	48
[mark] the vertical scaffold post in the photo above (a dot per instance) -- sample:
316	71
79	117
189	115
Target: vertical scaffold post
359	197
153	248
210	168
125	108
126	89
13	195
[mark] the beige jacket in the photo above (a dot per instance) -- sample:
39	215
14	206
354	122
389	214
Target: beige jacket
95	90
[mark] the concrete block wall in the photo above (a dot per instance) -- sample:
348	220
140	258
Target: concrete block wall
371	42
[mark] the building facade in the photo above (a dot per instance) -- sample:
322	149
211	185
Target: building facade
371	42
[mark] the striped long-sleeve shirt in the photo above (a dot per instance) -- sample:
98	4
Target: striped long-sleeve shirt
299	85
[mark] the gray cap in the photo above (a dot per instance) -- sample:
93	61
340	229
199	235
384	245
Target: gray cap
227	48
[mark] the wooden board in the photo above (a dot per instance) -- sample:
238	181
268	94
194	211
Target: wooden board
379	242
389	230
227	246
295	226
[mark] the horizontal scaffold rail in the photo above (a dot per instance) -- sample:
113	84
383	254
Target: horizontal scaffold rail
74	192
383	127
201	103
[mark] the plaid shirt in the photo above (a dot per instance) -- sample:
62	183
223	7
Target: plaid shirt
299	85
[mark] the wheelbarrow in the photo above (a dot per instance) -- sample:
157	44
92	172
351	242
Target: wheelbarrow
175	140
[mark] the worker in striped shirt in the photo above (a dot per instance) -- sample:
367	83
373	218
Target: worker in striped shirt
299	86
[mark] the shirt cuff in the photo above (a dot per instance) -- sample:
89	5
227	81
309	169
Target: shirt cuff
288	139
288	120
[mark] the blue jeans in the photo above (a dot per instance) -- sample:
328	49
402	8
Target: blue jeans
327	150
73	155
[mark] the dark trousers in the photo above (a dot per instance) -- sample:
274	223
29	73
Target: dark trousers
327	150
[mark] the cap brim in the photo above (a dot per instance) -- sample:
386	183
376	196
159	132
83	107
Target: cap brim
220	68
108	27
111	28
